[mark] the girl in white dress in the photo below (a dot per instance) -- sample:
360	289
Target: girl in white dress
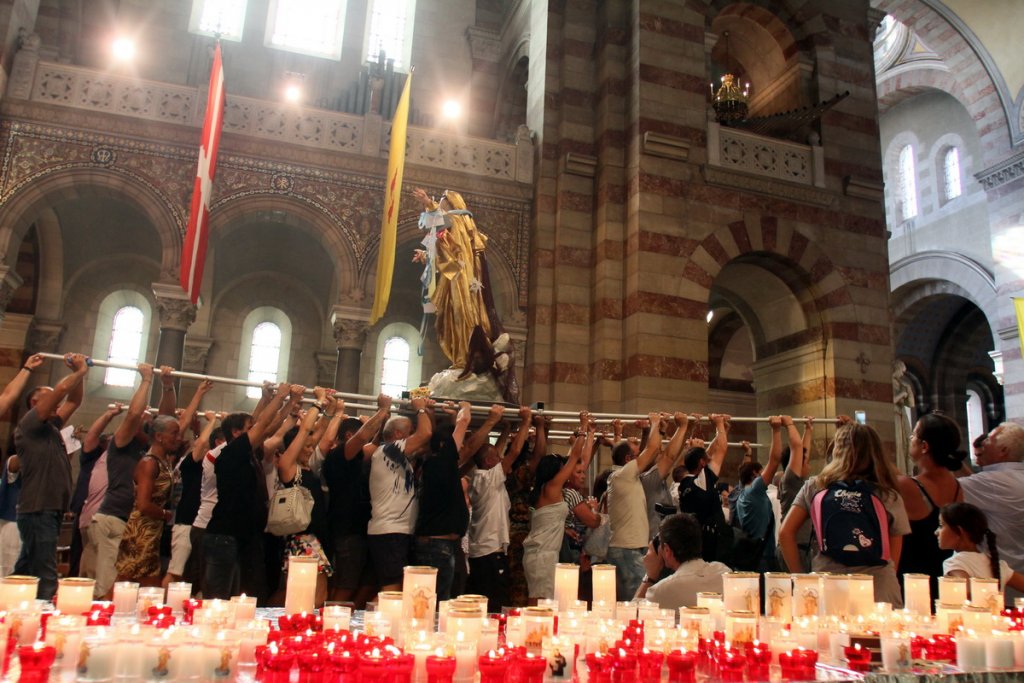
963	529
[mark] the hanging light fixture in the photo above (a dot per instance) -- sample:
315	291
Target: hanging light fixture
730	100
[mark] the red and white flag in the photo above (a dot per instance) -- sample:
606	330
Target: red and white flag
193	252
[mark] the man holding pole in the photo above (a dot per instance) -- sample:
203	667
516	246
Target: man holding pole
46	473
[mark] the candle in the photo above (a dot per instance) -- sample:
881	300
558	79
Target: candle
917	593
35	661
599	667
696	620
861	594
64	634
128	653
96	656
300	590
778	591
531	668
952	590
493	667
895	653
567	583
420	645
806	595
465	658
713	603
24	622
468	622
440	668
682	666
253	635
970	652
835	593
74	595
838	641
740	627
626	610
949	618
741	592
401	667
986	593
15	590
489	636
603	578
806	632
977	618
177	593
602	609
539	623
245	607
148	596
999	655
337	617
419	593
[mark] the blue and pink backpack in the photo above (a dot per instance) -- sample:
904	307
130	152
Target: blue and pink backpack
851	524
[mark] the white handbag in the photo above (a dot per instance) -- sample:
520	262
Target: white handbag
291	508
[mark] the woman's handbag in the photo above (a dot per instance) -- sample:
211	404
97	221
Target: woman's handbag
291	508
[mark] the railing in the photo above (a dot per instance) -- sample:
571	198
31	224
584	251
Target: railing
759	155
40	81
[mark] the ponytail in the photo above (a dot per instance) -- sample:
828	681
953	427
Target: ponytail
993	555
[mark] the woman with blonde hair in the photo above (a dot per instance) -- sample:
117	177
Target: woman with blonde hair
857	514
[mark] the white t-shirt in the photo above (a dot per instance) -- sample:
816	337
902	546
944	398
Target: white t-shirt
207	488
976	565
488	526
627	508
392	492
689	578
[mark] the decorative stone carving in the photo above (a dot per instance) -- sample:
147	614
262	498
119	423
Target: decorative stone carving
1002	173
349	333
864	362
484	43
175	309
23	68
10	281
326	366
44	335
197	351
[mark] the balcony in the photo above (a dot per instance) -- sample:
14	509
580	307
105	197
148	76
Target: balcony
36	80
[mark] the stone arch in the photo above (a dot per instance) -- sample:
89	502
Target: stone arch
299	214
897	86
19	210
970	65
930	273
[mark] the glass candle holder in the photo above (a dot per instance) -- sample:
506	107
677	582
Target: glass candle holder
419	592
15	590
741	592
778	596
952	590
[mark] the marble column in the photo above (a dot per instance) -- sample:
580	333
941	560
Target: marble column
176	314
350	326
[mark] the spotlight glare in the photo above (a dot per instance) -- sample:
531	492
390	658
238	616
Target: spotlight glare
711	314
123	49
292	93
451	109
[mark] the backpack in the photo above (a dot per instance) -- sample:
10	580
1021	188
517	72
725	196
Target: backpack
851	525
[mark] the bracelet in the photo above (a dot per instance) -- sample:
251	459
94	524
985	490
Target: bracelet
26	369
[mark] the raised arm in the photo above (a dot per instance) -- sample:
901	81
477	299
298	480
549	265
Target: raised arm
720	444
552	492
424	426
14	388
286	464
516	447
325	408
588	427
168	395
193	406
266	394
462	418
478	438
806	443
268	415
335	415
643	461
202	443
370	428
91	441
133	418
775	454
540	441
69	388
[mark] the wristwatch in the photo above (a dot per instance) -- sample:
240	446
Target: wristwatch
421	410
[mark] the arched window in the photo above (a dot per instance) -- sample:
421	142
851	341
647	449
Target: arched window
907	184
264	356
125	345
389	28
310	27
951	174
975	417
394	372
224	18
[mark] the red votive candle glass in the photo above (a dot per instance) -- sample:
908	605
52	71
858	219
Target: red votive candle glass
651	662
345	666
36	661
493	667
277	665
599	667
401	666
440	668
531	668
312	665
682	666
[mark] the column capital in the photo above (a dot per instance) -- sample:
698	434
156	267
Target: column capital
197	350
44	335
10	281
350	326
177	312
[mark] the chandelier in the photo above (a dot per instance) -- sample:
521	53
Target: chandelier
730	100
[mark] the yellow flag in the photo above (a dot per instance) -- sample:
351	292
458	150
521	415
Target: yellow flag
392	192
1018	303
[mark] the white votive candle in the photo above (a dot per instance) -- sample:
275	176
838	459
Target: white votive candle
245	608
917	593
603	577
970	652
778	596
300	590
74	595
177	593
15	590
567	584
419	592
126	596
999	655
741	592
952	590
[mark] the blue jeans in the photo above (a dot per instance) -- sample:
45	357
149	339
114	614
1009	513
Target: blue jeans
629	570
39	531
440	553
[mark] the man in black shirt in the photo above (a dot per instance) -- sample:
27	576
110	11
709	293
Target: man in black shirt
345	471
233	537
698	494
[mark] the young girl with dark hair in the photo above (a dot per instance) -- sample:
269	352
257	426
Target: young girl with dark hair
962	529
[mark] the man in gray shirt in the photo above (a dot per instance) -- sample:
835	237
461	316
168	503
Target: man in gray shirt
46	474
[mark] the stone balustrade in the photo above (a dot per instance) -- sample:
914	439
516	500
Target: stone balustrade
746	152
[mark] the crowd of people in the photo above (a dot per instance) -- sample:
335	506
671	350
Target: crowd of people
184	494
